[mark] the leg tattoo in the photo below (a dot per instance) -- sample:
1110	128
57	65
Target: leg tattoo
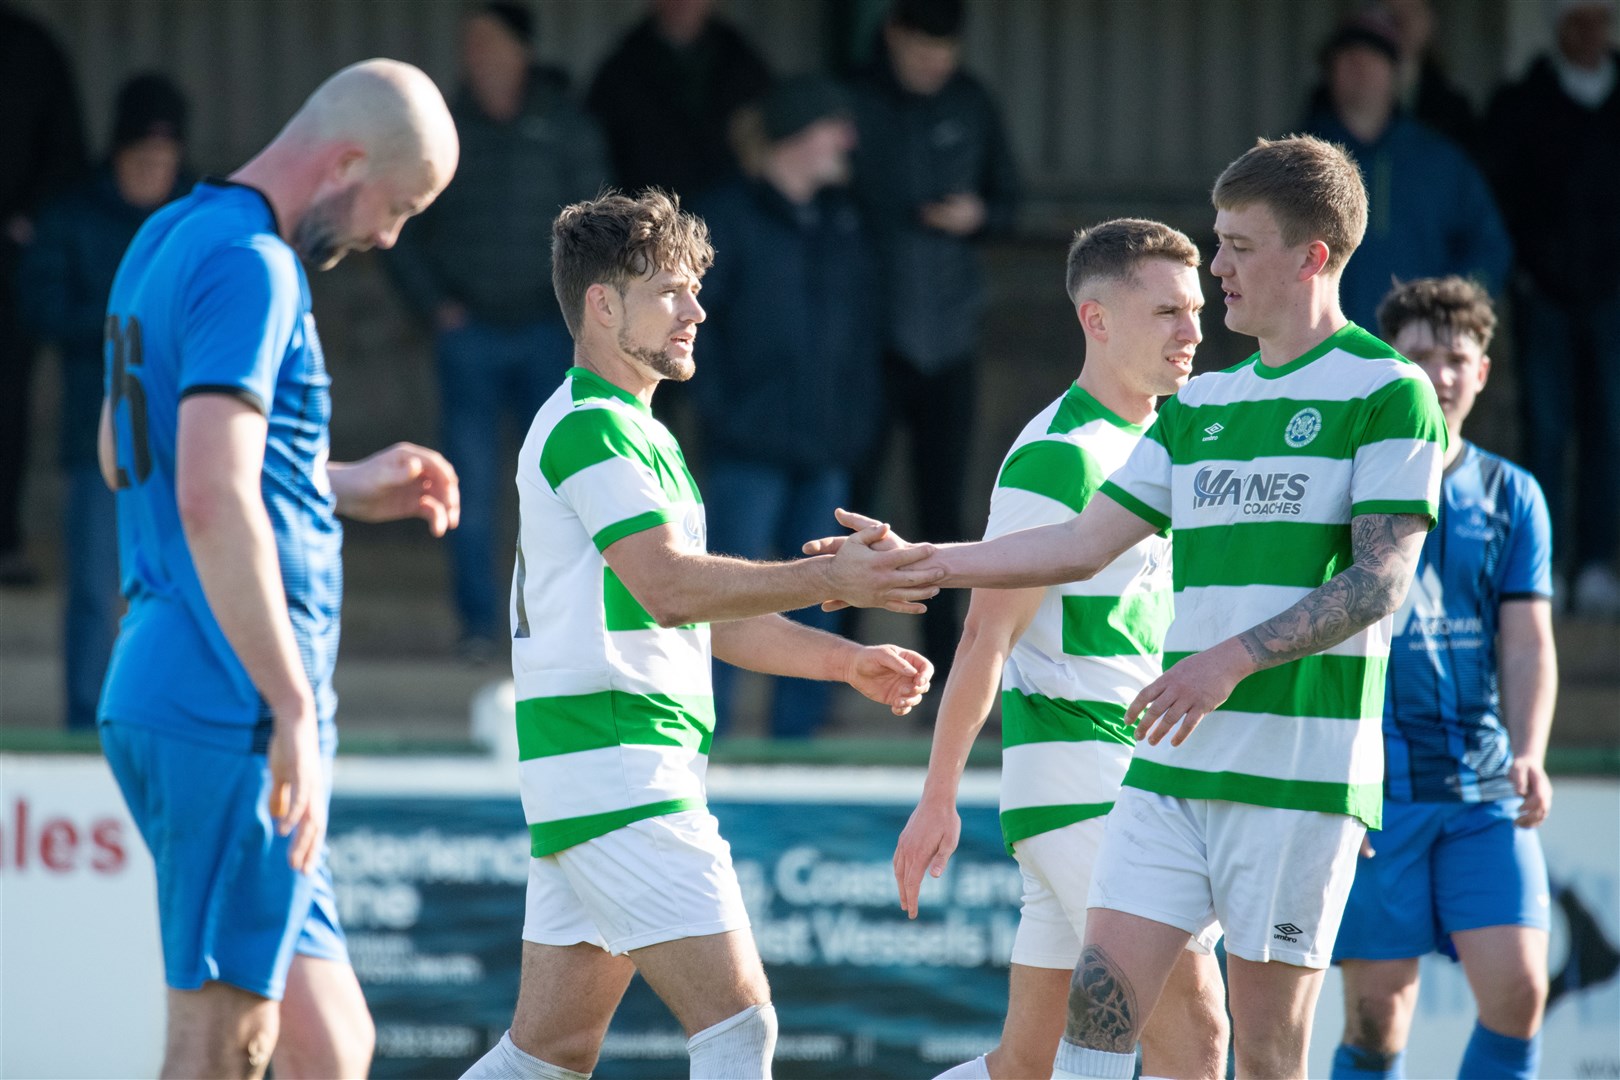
1102	1005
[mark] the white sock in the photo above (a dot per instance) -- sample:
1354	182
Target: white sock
737	1048
506	1061
977	1069
1076	1062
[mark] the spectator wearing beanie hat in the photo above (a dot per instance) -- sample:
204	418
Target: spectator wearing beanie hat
789	355
67	273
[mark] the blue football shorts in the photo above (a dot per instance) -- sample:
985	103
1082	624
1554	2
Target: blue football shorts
230	908
1439	868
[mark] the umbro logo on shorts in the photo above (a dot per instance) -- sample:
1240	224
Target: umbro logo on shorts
1287	932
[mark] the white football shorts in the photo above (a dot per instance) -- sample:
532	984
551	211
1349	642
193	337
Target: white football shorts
1276	880
655	880
1057	868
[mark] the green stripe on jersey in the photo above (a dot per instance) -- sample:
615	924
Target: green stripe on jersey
1056	469
1363	801
550	837
1297	554
1135	505
1131	625
622	611
587	437
617	531
1326	686
1037	718
549	726
1027	821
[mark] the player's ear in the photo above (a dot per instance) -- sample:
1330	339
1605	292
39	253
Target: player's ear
349	164
1484	371
1093	318
602	304
1315	261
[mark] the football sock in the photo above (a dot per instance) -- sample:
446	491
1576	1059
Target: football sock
737	1048
1490	1056
1354	1063
1076	1062
506	1061
976	1069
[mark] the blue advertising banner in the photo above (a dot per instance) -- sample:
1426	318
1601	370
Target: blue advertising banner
431	893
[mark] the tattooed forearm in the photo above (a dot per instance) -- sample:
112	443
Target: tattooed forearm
1386	548
1102	1005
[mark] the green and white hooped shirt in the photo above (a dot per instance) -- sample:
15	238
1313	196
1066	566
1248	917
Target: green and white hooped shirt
1258	471
1092	644
614	713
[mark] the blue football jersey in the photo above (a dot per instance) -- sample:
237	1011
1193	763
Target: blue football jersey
1444	740
209	299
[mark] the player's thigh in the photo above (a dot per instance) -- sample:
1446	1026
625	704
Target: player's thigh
326	1028
705	979
230	907
566	998
1124	964
1380	997
1153	864
1507	970
1280	879
1390	912
1489	872
652	881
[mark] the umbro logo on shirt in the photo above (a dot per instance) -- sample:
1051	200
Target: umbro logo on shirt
1213	432
1287	932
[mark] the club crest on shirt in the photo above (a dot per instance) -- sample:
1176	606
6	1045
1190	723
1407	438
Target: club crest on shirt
692	525
1304	427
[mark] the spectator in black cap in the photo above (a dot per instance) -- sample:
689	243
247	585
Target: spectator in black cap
789	398
667	94
935	175
477	269
1430	211
66	274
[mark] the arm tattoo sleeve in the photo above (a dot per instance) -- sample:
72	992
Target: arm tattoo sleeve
1102	1005
1385	547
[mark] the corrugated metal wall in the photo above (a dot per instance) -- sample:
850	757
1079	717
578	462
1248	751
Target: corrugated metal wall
1107	100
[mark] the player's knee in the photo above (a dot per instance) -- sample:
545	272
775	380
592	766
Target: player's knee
1514	1006
254	1040
1374	1023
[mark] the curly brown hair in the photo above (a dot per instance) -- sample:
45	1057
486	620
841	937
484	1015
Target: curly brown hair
615	239
1454	304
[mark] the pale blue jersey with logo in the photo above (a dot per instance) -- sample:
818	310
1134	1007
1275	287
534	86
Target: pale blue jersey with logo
209	299
1444	740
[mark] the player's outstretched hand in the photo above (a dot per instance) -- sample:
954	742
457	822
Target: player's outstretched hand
298	787
1177	700
1530	781
926	845
891	676
862	574
854	522
403	481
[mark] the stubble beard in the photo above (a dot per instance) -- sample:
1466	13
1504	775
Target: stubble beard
675	369
318	238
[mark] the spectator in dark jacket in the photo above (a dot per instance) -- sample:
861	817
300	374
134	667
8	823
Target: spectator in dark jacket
43	136
1424	90
934	174
1430	211
66	274
477	267
1554	140
667	95
789	396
